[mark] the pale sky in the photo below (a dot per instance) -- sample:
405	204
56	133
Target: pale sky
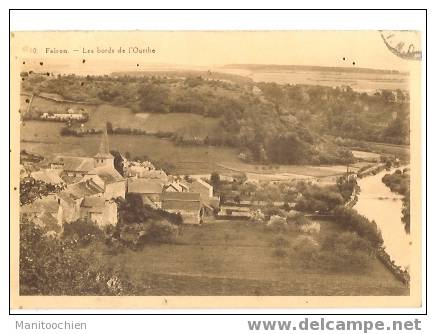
320	48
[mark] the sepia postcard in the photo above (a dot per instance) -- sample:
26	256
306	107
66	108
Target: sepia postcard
215	169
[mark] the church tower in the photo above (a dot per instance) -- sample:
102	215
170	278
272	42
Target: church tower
103	157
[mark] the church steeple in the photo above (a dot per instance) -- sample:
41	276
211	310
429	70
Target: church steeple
103	157
104	143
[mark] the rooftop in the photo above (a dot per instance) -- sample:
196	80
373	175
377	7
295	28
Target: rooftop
76	164
93	202
107	173
103	156
180	196
51	176
46	204
82	189
145	186
202	183
185	201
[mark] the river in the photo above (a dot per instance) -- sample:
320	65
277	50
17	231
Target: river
378	203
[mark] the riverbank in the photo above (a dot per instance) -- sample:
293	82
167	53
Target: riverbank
378	203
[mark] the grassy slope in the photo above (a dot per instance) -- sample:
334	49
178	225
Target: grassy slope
236	258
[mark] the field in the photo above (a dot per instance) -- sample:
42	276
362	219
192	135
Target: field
41	105
150	122
401	151
44	138
236	258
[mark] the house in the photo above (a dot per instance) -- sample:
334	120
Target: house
206	193
51	176
99	210
138	169
48	222
187	204
73	166
108	178
71	198
45	212
176	186
256	90
234	211
86	199
149	190
84	188
80	166
63	116
156	174
100	169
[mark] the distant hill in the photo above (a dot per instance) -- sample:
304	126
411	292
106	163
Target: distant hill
266	68
209	75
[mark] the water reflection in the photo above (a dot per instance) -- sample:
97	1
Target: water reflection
378	203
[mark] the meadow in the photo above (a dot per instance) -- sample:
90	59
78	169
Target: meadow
44	138
237	258
151	122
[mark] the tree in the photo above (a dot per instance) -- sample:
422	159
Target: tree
215	180
52	266
346	186
353	221
109	127
118	161
277	223
153	98
31	189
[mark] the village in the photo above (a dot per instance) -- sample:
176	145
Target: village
90	186
87	188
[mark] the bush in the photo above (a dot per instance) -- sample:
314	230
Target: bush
135	236
355	222
301	219
276	223
82	231
280	252
280	242
307	250
343	252
310	228
256	216
346	252
161	232
318	199
342	259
